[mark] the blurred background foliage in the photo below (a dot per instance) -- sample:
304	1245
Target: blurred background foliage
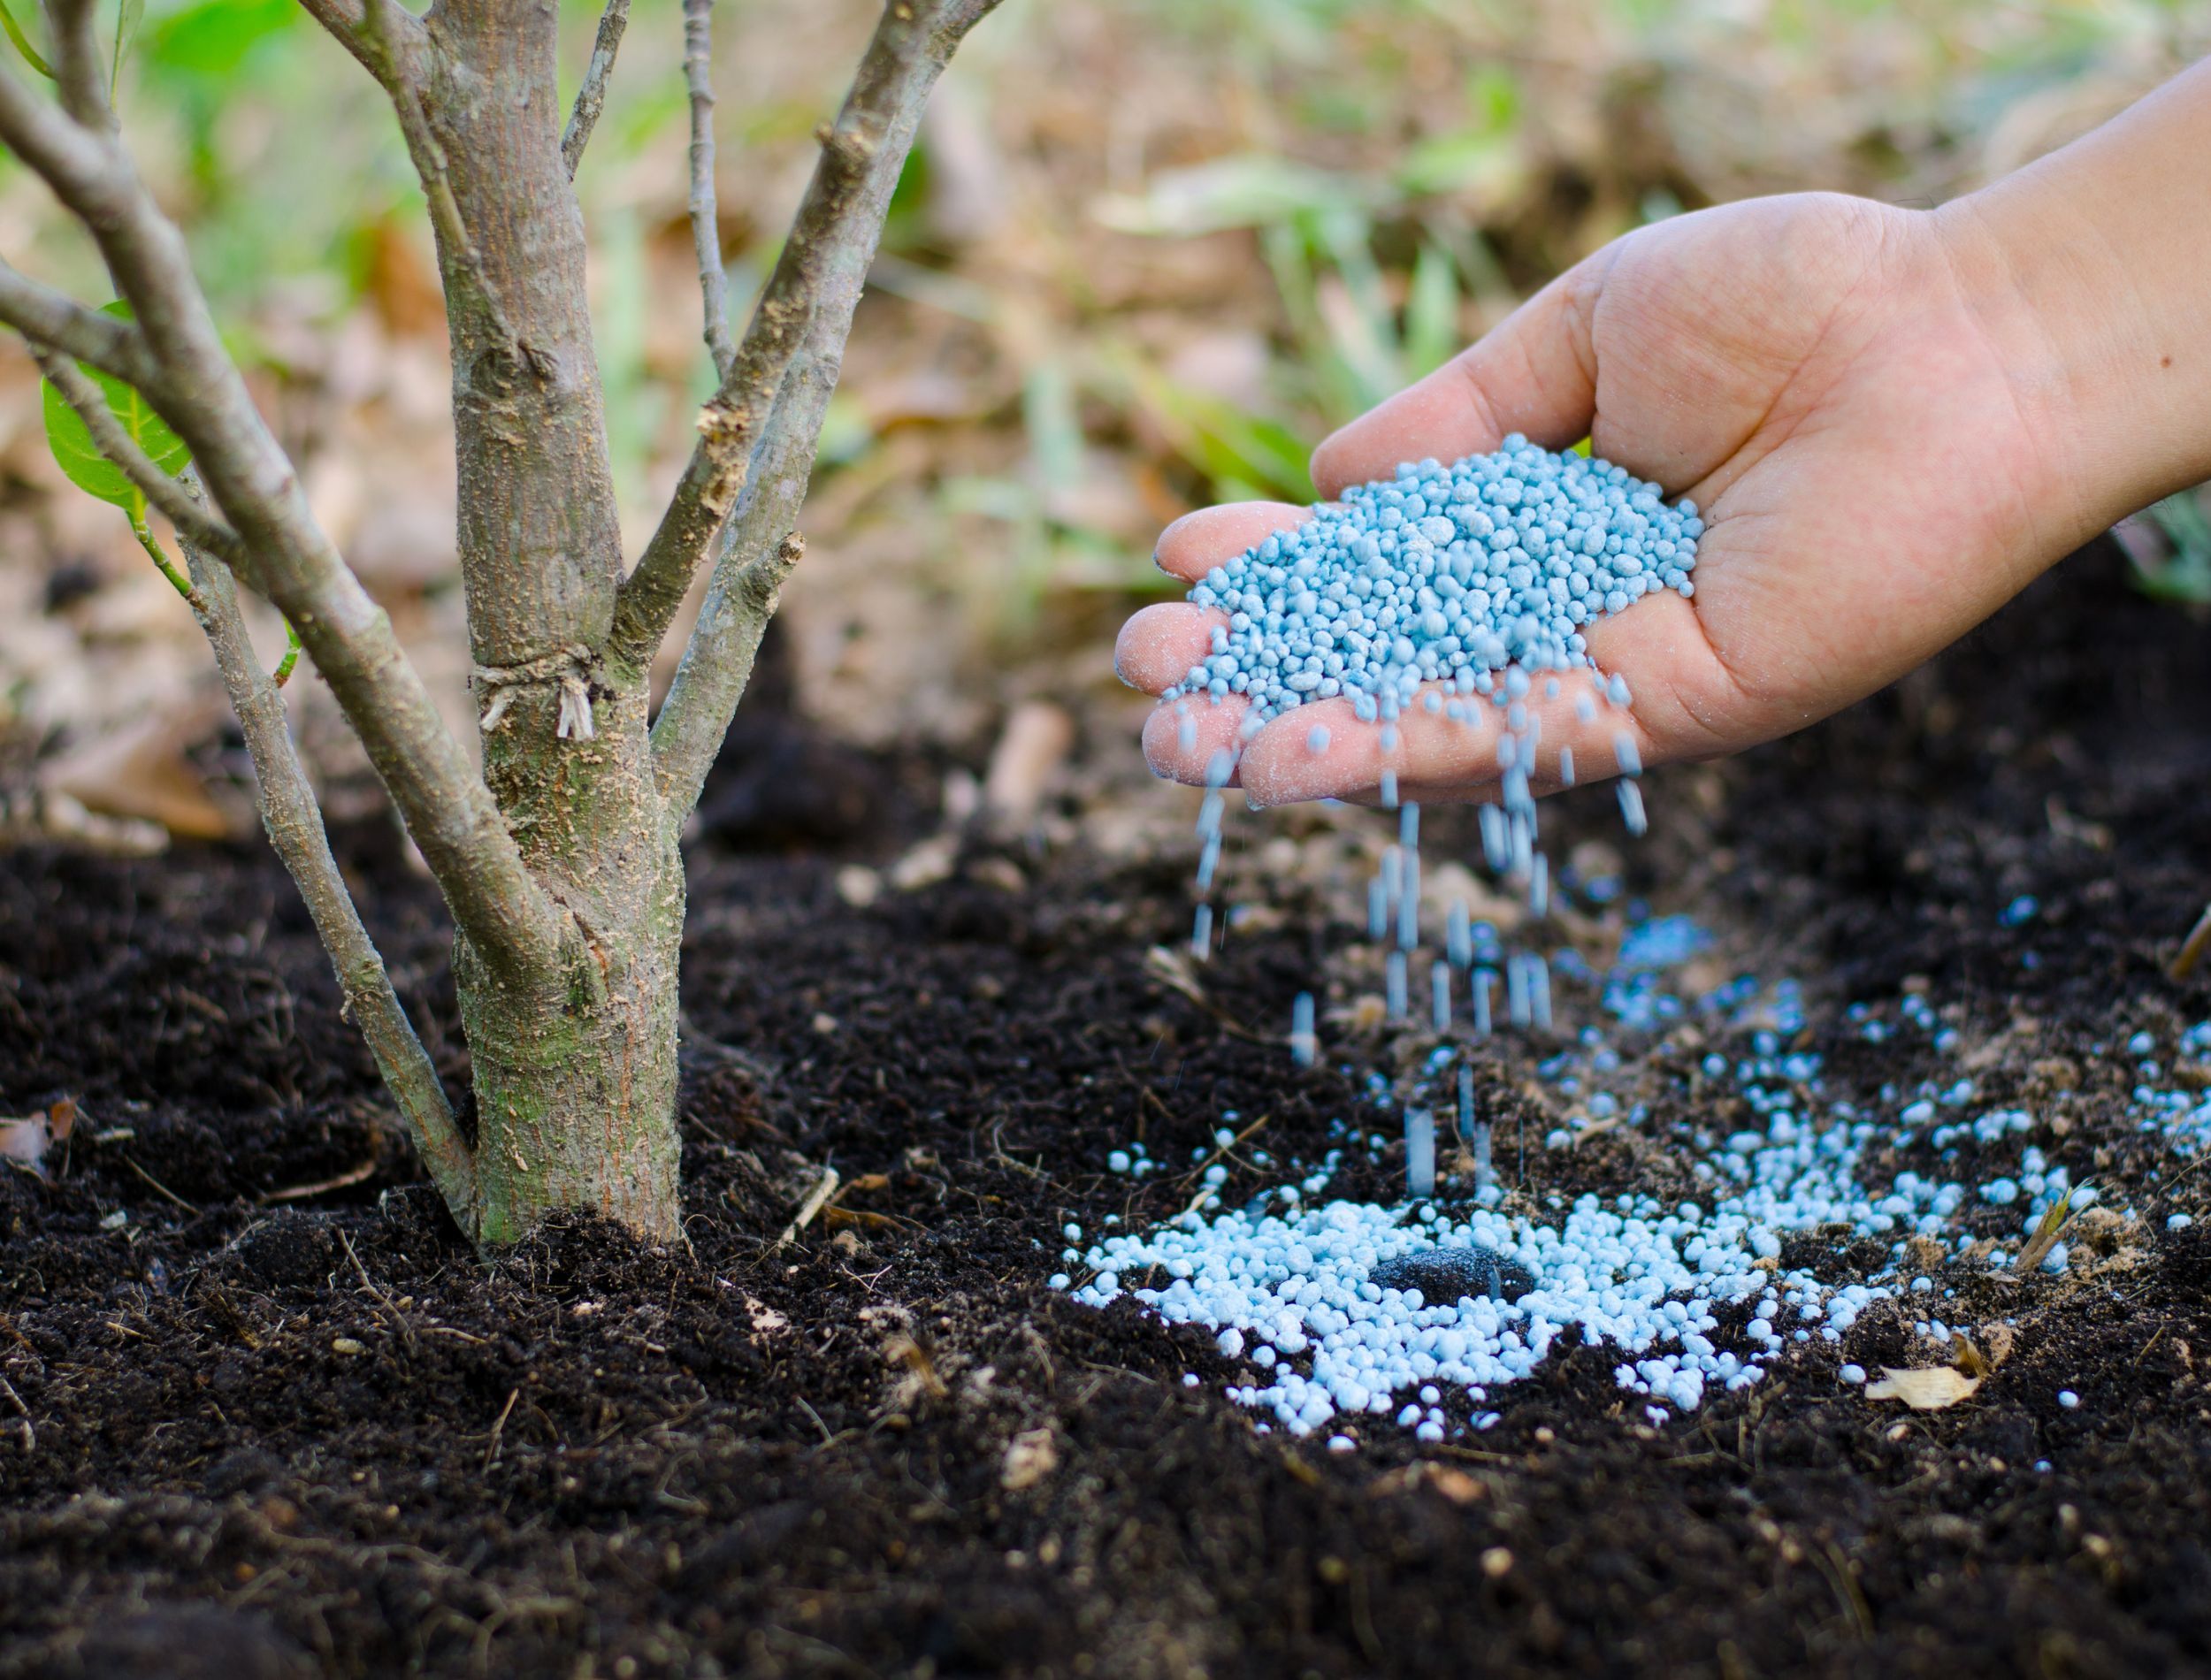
1147	254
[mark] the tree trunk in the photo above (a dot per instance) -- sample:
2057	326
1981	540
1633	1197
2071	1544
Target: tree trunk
575	1082
574	1068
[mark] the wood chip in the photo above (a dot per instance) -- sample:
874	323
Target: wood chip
1925	1388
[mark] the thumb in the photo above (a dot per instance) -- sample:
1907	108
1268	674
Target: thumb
1534	373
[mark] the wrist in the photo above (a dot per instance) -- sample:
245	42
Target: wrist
2085	272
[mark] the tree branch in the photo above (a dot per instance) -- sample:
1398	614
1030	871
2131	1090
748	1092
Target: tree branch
2192	948
496	903
193	522
39	312
294	823
705	228
390	55
345	19
288	808
818	277
78	72
591	98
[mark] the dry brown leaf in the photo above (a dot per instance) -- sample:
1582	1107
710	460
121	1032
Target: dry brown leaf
143	771
1925	1388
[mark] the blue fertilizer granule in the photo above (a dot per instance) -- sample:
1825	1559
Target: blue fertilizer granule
1442	573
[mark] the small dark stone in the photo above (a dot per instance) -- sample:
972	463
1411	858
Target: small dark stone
1465	1272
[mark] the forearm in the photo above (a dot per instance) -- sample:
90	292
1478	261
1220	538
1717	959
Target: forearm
2093	269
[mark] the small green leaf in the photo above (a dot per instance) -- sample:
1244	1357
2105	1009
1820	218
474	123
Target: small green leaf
127	14
23	42
80	457
1430	335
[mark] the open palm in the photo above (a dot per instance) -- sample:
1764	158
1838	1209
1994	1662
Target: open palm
1842	401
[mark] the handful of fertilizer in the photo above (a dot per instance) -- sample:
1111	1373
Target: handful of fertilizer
1440	575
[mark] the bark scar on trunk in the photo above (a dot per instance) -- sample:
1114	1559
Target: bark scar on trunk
568	670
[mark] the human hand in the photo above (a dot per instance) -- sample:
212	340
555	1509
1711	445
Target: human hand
1850	393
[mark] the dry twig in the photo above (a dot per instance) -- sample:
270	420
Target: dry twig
591	97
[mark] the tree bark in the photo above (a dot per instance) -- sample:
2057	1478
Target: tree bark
574	1066
561	864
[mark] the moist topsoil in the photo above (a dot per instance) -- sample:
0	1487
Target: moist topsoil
265	1414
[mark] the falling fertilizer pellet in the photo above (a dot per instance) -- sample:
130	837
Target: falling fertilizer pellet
1631	809
1304	1046
1420	1153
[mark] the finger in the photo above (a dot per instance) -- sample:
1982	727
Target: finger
1182	744
1197	542
1534	373
1687	702
1158	646
1322	751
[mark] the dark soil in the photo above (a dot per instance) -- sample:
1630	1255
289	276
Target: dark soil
264	1414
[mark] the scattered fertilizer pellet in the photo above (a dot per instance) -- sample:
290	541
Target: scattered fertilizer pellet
2068	1399
1693	1294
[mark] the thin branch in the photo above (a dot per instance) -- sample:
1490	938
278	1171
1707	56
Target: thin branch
45	138
733	619
2193	948
344	19
390	56
78	71
819	273
39	312
294	823
497	904
591	98
341	18
193	522
706	227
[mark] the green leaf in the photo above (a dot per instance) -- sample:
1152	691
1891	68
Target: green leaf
1256	456
1430	335
127	14
211	42
1252	190
80	457
23	42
